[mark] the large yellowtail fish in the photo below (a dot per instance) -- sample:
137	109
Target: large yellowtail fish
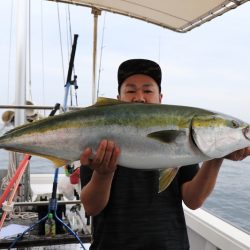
151	136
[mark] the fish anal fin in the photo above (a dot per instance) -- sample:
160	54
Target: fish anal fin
166	177
56	161
166	136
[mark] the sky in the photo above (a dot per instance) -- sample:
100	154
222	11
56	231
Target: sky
208	67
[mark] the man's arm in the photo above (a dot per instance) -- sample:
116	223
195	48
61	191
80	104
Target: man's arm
95	194
195	192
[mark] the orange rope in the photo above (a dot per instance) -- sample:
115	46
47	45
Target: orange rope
17	177
13	179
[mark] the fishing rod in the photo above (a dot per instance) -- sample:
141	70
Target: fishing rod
53	201
70	82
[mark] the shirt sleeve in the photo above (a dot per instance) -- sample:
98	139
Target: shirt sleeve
187	173
85	175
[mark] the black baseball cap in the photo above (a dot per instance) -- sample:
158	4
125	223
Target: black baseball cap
139	66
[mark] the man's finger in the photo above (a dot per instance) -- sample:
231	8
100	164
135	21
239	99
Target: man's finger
115	156
85	156
247	151
101	150
239	154
108	153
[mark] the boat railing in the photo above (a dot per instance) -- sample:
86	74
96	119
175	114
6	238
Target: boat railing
209	232
41	107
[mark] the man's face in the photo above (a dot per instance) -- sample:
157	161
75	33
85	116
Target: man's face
140	88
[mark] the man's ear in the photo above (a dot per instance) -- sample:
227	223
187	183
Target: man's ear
118	97
160	97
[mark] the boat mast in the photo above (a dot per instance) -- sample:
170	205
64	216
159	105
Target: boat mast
20	84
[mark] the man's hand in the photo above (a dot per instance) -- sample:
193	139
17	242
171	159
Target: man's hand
238	155
95	194
105	160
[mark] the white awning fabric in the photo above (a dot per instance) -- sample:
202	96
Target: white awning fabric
177	15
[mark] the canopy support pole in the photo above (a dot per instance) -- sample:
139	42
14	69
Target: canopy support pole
96	12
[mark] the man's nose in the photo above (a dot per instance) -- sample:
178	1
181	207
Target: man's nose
139	97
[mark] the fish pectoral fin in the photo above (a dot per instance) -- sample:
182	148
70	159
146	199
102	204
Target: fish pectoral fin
166	136
166	177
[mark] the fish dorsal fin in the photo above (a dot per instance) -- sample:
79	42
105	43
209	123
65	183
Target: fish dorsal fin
104	101
166	177
166	136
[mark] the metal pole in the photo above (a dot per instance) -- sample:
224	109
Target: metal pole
96	13
20	86
21	44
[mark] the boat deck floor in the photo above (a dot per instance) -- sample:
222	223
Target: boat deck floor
35	240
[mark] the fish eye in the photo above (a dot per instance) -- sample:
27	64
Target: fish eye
247	130
235	124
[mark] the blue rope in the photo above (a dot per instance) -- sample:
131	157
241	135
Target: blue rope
26	231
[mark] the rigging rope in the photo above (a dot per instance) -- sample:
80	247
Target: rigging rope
68	21
70	39
100	65
42	45
69	42
11	170
59	25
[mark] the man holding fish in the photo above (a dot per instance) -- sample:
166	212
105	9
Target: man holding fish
129	211
140	158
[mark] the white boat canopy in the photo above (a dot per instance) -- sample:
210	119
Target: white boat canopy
177	15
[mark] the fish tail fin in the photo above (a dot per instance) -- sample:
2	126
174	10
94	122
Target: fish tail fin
166	177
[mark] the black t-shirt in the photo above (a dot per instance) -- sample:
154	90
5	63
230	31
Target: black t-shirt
137	217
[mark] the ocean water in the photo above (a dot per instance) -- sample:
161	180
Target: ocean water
229	201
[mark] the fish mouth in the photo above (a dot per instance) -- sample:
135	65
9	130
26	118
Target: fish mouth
246	132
